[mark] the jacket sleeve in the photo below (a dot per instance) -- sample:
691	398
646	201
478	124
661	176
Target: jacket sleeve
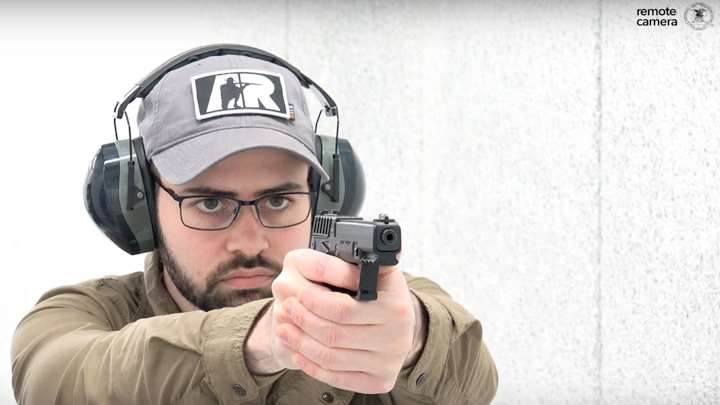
455	366
72	349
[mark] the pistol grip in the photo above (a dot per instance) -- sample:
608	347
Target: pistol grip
367	290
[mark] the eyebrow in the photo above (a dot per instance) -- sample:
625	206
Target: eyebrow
202	190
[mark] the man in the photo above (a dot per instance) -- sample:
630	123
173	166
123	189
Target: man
231	307
230	92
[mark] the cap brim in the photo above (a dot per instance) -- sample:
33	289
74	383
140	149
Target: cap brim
183	162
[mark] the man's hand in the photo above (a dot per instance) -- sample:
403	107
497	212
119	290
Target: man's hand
264	354
354	345
264	351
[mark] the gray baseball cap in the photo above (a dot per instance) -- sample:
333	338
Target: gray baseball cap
205	111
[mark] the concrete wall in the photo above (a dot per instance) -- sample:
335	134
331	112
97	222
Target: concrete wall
553	165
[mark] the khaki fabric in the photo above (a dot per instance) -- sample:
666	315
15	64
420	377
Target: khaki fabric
122	340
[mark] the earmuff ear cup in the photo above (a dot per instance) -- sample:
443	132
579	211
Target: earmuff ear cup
120	198
351	178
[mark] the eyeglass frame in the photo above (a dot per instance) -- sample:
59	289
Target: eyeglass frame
179	198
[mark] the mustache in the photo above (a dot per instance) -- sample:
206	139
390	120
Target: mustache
241	261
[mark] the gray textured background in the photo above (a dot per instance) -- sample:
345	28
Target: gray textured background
554	166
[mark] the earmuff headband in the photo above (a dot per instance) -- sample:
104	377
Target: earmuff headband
148	82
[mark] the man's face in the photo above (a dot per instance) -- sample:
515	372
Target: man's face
209	267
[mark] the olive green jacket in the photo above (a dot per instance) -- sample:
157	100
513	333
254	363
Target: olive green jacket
122	340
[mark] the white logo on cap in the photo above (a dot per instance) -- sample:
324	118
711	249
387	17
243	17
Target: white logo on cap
232	92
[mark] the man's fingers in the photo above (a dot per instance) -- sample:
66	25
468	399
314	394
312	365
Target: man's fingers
355	381
342	368
291	283
331	334
323	268
330	358
343	309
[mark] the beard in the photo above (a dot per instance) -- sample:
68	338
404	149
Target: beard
214	295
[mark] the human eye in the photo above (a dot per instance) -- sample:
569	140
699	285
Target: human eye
276	202
209	205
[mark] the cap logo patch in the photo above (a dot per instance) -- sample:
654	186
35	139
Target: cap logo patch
232	92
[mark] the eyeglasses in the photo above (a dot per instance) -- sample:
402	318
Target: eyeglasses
214	212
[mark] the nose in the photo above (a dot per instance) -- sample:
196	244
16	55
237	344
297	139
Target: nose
247	234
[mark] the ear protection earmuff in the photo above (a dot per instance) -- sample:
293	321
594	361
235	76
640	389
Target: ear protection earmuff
120	189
